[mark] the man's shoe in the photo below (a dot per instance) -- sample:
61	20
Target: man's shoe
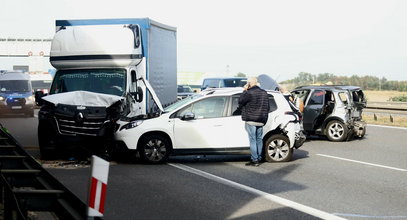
253	163
250	163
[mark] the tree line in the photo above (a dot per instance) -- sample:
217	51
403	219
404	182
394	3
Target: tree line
365	82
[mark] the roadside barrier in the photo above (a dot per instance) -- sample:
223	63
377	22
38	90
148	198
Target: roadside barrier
28	191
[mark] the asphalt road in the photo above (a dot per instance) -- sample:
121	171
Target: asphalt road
360	179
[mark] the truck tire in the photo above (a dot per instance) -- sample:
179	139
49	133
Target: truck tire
277	149
46	142
336	131
154	149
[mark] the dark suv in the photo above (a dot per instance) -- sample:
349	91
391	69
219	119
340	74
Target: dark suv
334	111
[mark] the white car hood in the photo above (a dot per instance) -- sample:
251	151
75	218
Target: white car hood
83	98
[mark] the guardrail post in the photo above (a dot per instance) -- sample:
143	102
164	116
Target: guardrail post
97	187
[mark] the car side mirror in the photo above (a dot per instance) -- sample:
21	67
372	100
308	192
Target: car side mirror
38	97
188	116
138	96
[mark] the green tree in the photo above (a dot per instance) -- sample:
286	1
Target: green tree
239	74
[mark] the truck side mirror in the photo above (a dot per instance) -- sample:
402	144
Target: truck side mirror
138	96
38	97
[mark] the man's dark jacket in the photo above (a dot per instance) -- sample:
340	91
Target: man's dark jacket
254	104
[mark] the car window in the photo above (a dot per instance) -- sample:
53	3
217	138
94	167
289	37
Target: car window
272	103
212	107
211	83
343	97
234	82
317	98
358	96
302	94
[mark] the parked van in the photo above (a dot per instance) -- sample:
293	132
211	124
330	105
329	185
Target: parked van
16	95
223	82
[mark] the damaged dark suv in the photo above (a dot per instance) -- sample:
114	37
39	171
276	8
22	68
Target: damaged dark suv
333	111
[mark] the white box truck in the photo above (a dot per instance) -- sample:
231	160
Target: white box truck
109	71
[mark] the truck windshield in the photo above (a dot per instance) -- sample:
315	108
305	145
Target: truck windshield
106	81
9	86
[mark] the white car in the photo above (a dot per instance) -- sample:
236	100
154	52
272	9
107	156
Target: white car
208	123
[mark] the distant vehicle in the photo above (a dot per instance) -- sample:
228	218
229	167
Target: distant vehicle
223	82
16	96
209	123
41	82
184	91
333	111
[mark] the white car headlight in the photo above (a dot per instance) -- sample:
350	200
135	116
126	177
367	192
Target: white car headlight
132	124
31	98
1	98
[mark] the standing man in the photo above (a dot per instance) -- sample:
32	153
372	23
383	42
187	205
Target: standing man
254	103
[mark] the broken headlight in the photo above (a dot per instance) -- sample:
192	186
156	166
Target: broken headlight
132	124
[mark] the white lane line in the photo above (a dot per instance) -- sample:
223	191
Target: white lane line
371	216
270	197
386	126
361	162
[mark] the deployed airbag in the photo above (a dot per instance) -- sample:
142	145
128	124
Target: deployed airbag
83	98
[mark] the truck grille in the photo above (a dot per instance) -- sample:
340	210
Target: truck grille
16	101
69	126
89	121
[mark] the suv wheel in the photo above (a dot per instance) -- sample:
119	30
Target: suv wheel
277	149
155	149
336	131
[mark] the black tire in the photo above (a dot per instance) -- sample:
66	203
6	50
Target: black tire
154	149
277	149
46	143
336	131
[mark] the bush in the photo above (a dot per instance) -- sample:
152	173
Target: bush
402	98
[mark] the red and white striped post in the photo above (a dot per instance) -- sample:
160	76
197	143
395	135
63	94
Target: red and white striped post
97	187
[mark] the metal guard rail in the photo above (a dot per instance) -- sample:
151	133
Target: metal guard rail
25	186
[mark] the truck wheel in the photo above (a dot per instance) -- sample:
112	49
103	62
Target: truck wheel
277	149
154	149
336	131
47	144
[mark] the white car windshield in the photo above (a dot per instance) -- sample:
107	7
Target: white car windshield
181	102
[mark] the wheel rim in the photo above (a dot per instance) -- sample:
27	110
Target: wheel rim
278	149
155	150
336	130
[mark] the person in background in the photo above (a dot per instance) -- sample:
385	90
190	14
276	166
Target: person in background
254	104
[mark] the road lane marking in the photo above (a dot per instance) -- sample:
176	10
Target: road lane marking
370	216
386	126
268	196
361	162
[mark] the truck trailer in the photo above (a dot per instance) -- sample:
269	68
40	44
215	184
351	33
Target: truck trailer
109	72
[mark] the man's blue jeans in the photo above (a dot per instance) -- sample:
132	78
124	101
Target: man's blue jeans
256	141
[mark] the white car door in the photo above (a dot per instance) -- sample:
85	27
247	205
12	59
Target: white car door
235	127
207	130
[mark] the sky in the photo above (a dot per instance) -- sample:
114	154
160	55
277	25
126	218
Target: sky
280	38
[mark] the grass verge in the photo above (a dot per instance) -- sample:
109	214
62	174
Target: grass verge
385	119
